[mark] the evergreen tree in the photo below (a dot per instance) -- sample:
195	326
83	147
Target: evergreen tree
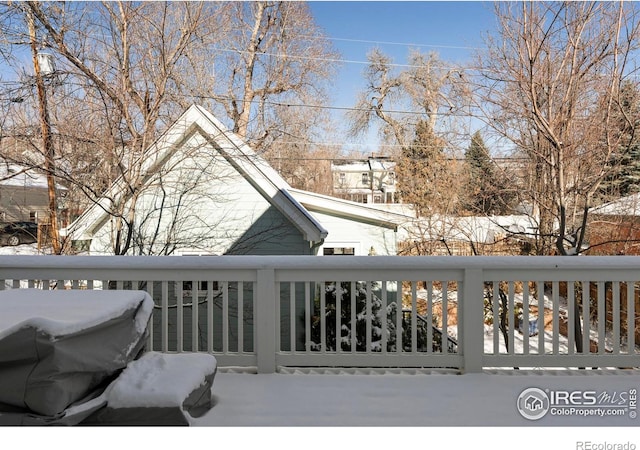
424	176
486	191
378	313
624	175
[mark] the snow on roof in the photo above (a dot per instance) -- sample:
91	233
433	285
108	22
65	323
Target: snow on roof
476	228
62	312
374	164
625	206
19	176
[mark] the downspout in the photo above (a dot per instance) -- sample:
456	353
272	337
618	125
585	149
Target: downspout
315	245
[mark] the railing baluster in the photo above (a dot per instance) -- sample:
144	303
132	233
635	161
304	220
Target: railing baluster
399	293
601	317
149	291
307	316
496	317
240	316
586	299
225	318
383	315
337	310
511	317
429	316
540	290
444	347
571	320
165	316
180	317
323	317
525	317
354	306
555	295
210	316
292	317
195	326
615	303
369	316
631	318
414	317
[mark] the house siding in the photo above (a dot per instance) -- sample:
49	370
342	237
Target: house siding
18	202
362	236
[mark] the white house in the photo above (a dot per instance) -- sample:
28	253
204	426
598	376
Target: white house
367	181
206	192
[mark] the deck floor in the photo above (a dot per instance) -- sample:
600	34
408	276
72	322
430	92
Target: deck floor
391	399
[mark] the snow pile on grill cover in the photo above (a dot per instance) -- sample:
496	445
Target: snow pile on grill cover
159	379
159	389
64	312
59	348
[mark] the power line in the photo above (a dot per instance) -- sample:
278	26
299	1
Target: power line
339	60
339	108
404	44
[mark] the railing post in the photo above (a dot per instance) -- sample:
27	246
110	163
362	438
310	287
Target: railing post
266	321
472	320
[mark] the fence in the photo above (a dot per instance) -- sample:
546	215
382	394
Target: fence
465	313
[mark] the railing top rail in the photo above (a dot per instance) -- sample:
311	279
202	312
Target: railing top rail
396	263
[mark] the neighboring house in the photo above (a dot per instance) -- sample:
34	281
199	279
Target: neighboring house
206	192
368	181
614	227
23	194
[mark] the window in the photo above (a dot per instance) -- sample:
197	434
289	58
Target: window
343	178
365	178
392	178
33	216
339	251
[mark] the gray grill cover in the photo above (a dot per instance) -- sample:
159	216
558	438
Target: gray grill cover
66	346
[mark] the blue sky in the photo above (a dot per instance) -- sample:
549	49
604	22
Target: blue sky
450	28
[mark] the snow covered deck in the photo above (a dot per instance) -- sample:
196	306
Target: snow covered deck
395	399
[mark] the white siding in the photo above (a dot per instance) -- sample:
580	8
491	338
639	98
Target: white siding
362	236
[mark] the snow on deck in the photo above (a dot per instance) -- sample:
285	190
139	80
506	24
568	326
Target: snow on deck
414	400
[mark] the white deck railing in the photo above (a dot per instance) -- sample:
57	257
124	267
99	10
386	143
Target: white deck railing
273	311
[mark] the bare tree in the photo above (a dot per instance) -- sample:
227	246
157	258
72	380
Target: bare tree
129	69
550	83
274	58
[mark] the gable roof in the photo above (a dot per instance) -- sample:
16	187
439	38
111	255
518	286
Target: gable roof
252	166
